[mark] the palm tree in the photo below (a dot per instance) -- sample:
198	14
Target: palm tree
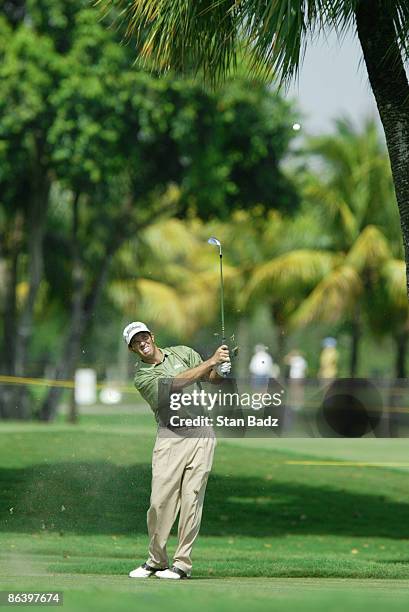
284	282
354	182
335	278
345	291
208	36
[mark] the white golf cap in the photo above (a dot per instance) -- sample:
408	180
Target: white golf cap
134	328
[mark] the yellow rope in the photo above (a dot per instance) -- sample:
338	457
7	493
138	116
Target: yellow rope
66	384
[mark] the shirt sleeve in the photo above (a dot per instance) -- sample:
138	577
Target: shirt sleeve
148	387
194	358
155	389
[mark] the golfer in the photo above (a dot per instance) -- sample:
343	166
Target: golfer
180	465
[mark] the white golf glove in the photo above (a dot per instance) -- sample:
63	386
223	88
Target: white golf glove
223	369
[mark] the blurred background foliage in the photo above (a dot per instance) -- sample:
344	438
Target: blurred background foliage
111	181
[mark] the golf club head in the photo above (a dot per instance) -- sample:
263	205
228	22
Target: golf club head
214	241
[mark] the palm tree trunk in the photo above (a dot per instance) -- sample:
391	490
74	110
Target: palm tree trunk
401	341
281	333
355	342
389	83
281	344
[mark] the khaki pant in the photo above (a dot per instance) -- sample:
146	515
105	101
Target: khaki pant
180	469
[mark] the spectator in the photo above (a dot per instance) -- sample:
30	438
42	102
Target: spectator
262	366
328	359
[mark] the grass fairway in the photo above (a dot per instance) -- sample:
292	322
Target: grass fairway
276	532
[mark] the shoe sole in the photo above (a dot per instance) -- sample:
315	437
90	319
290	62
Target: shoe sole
181	578
145	577
142	577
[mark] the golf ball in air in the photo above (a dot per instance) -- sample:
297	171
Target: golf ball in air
296	127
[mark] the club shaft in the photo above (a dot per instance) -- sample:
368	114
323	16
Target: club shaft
222	297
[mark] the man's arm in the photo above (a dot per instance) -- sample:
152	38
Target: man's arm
214	376
202	371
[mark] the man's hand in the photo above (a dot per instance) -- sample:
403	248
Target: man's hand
221	360
220	356
223	369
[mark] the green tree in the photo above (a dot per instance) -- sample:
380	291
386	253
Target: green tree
178	133
91	153
28	70
207	37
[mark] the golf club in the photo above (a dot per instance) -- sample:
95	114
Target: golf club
217	243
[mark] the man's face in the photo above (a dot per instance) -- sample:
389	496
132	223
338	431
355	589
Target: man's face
143	344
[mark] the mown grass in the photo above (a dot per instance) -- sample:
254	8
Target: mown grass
73	504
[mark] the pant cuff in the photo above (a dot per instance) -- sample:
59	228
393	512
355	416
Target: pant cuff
182	567
156	566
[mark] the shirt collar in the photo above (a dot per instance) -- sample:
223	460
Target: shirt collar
143	364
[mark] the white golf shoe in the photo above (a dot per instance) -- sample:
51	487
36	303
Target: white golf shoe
144	571
173	573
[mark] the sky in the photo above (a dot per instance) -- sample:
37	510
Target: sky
332	81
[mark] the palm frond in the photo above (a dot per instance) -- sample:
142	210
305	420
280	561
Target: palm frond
206	35
297	268
157	301
331	300
170	238
370	250
162	305
394	277
355	184
338	210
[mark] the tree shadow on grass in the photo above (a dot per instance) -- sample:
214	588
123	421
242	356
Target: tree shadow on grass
103	498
